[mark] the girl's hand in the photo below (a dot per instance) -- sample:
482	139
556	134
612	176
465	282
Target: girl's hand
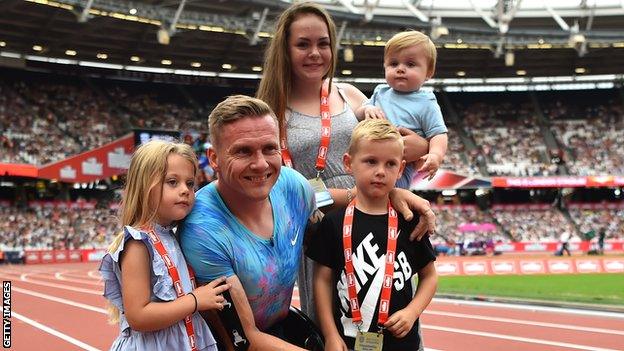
209	296
335	343
400	323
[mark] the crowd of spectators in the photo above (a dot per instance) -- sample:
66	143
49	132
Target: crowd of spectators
461	229
595	220
464	230
44	119
30	132
534	225
155	111
458	159
56	228
592	139
509	137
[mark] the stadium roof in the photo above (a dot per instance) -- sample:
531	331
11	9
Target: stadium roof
486	38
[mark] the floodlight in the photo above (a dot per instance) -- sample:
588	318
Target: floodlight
348	54
163	36
509	58
576	38
437	29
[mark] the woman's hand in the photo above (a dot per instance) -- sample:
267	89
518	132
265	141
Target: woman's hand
404	201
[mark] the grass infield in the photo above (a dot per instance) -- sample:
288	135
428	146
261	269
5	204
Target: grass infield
603	289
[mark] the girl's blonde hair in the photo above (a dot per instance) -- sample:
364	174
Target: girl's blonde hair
276	84
147	171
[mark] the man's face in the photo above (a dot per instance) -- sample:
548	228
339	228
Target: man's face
247	158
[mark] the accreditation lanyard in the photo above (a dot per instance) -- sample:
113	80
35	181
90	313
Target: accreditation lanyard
177	284
321	157
386	289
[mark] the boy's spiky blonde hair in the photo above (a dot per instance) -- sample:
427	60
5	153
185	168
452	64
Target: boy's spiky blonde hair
372	130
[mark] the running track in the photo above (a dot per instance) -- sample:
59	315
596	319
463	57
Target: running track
59	307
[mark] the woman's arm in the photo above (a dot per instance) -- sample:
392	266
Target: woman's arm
355	98
404	201
415	145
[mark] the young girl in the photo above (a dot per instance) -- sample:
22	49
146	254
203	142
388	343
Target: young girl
147	282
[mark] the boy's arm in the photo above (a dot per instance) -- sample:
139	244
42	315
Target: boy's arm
433	159
323	281
366	110
401	322
438	145
362	107
427	285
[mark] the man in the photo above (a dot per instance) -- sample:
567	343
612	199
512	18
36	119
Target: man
249	224
565	242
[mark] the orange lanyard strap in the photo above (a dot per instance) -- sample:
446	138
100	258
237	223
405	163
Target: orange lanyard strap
286	158
323	149
177	284
386	289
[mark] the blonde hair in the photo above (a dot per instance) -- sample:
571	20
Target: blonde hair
276	84
234	108
373	130
407	39
147	171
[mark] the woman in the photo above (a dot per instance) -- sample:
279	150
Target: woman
300	58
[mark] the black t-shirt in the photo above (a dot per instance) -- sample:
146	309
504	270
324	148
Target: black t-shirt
369	243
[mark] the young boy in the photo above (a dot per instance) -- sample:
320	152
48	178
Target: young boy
409	61
351	271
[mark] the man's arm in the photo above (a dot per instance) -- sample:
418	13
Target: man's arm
257	339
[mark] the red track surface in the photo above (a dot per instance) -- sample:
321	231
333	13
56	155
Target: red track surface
59	307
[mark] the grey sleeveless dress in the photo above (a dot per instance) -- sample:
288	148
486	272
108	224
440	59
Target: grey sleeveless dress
303	133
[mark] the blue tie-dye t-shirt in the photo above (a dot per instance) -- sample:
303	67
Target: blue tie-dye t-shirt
216	244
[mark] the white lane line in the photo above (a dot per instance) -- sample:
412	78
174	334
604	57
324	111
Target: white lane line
94	274
54	332
526	322
618	315
516	338
24	277
60	300
59	276
81	275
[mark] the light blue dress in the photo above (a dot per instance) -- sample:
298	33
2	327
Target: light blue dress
173	337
